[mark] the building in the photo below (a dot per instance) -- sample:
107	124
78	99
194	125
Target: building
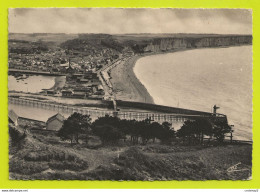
53	92
99	90
70	70
67	93
13	118
83	80
77	76
55	122
81	95
90	75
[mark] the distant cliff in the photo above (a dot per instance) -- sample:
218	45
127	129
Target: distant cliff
139	43
165	44
156	43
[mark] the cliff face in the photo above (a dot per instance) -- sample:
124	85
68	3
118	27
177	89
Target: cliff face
165	44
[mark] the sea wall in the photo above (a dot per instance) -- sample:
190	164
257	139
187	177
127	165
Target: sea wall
187	113
164	44
161	108
155	112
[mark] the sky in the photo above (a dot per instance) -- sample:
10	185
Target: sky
121	21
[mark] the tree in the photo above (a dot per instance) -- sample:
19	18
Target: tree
203	127
134	131
155	130
144	130
167	132
66	132
220	129
108	129
73	126
194	130
186	131
108	133
125	126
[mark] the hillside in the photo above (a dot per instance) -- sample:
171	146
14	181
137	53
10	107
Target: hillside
28	47
94	42
42	155
141	43
46	37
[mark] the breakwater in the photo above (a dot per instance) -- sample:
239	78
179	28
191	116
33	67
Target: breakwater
163	109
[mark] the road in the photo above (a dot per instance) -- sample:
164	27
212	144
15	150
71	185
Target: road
105	80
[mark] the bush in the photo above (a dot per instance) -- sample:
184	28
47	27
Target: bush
15	135
26	168
66	165
48	156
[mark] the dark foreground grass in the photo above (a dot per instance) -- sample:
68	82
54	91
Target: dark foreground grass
36	159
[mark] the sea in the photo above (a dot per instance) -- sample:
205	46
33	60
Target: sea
198	79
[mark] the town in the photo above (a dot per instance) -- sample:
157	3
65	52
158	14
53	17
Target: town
81	66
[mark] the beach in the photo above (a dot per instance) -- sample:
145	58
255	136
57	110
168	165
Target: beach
126	86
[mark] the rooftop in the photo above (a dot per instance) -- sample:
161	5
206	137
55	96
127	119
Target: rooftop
57	116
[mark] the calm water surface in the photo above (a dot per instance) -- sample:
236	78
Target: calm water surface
199	79
32	84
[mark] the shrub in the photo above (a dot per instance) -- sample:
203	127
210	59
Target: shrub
77	165
26	168
15	135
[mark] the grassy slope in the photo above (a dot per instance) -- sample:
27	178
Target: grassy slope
43	156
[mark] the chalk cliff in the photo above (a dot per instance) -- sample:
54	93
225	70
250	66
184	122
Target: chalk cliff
165	44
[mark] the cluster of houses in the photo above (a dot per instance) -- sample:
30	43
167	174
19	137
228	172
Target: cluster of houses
80	85
91	92
54	123
56	60
24	55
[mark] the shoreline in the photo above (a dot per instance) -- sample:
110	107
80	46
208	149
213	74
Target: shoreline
139	93
128	87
